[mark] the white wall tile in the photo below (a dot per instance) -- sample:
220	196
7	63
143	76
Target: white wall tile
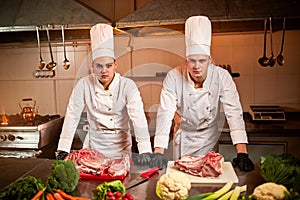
256	84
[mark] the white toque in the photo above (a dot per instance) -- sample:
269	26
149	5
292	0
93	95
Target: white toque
197	35
102	41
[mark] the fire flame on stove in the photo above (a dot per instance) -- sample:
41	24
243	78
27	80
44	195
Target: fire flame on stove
4	120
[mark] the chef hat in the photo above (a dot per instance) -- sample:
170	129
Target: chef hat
197	35
102	41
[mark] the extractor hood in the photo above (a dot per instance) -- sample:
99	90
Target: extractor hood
226	15
177	11
18	18
24	15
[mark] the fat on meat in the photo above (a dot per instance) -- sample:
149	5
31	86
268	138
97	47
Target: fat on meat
118	168
209	165
91	161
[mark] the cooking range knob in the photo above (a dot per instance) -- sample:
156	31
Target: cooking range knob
19	137
11	137
3	137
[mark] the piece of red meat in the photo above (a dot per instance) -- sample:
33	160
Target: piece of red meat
209	165
91	161
119	167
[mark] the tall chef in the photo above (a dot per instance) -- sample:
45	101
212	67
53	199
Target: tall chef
111	102
195	91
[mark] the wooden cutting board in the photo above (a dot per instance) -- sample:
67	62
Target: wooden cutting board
228	174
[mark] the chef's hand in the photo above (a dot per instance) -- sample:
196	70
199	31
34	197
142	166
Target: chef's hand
158	160
61	155
243	162
141	159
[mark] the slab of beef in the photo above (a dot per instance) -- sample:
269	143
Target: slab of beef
209	165
91	161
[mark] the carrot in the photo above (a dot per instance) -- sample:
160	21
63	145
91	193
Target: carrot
64	195
81	198
38	195
57	196
49	196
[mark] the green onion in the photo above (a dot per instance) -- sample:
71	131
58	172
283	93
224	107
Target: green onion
220	192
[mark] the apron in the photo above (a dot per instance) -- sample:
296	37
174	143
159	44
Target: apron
197	135
109	142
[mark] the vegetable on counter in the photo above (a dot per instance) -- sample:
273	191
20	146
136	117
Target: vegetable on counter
175	185
223	193
22	189
63	179
282	169
39	194
269	190
64	176
49	196
108	190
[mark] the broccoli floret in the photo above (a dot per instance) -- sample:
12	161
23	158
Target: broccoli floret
64	176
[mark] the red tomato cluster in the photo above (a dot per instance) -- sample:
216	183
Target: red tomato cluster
118	196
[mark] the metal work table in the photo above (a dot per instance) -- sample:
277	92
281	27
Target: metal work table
12	168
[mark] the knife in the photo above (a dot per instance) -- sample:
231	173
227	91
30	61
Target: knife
143	177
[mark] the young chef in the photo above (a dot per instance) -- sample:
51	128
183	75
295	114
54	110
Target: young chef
111	101
194	91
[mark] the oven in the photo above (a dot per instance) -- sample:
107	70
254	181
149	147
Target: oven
21	138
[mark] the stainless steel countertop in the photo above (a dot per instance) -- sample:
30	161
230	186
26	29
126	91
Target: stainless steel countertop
12	169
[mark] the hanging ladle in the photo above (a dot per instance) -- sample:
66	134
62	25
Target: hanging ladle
66	63
264	61
272	59
280	58
51	65
41	64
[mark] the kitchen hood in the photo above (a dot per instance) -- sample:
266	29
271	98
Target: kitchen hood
25	15
19	18
226	15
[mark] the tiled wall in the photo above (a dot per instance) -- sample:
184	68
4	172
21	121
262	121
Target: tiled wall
150	54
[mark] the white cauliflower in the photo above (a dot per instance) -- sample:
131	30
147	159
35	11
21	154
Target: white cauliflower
270	191
173	186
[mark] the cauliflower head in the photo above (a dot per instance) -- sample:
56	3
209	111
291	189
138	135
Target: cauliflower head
173	186
270	191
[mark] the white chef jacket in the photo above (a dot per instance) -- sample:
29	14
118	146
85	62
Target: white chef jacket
199	110
108	113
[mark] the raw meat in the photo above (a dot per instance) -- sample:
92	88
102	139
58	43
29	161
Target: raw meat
91	161
209	165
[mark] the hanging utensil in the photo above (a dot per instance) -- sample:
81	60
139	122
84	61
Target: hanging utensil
51	65
272	59
264	61
66	63
280	58
41	64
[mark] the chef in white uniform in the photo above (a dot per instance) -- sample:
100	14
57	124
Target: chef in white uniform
195	91
111	102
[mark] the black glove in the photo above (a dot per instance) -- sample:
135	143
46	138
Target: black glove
61	155
243	162
158	160
141	159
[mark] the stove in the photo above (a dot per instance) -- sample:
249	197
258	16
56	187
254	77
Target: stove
36	138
